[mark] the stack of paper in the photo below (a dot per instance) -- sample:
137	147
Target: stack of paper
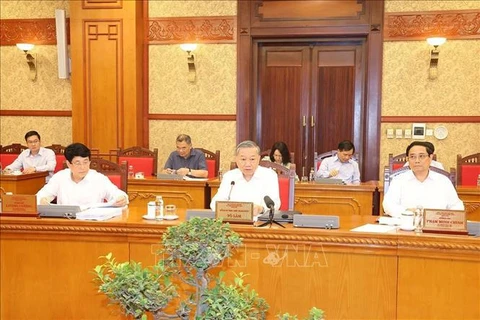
374	228
99	214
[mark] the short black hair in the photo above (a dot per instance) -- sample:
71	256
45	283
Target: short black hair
77	150
346	145
283	149
32	133
428	146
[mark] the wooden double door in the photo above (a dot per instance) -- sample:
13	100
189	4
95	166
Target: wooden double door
309	94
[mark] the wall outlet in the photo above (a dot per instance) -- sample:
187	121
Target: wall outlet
408	133
429	132
398	133
390	134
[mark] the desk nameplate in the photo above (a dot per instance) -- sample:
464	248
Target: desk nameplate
19	205
235	212
445	221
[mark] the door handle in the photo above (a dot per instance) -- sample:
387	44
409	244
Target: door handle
304	121
312	122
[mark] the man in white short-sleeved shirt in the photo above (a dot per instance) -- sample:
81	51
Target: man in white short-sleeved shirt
80	185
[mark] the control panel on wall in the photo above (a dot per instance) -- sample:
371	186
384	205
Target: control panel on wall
418	131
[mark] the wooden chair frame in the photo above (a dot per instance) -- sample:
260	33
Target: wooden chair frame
14	148
212	156
400	159
287	173
107	168
473	159
140	152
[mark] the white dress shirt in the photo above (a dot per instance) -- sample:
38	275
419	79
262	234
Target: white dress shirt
44	160
263	183
95	188
347	171
406	191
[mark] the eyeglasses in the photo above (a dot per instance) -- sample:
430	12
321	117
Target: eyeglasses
33	142
420	157
79	164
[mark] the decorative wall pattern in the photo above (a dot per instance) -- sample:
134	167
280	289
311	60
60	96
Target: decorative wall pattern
214	91
192	8
430	5
52	130
36	31
407	91
208	135
462	139
458	24
192	29
31	9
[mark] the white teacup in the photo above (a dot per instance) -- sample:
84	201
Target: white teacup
407	220
151	210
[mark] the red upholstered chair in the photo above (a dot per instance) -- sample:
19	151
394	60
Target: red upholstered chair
213	161
468	169
117	173
59	156
142	159
9	153
286	183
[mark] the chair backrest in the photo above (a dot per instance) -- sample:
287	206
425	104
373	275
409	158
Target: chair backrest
213	161
117	173
142	159
317	158
9	153
389	175
59	156
398	161
468	169
286	183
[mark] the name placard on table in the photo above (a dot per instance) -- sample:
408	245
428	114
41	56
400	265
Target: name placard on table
445	221
19	205
235	212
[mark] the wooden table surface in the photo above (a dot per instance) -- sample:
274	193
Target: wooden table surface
46	268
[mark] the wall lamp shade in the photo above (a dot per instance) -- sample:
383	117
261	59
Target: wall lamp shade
434	54
192	72
31	61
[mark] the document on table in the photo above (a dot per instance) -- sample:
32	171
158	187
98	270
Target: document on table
376	228
99	213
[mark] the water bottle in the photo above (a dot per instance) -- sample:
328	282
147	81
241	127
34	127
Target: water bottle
418	220
159	208
220	175
478	181
311	176
131	173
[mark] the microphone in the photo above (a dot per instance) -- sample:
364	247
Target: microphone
231	188
269	202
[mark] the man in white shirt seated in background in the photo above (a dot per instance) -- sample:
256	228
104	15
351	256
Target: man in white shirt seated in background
35	158
420	186
433	163
341	165
80	185
249	182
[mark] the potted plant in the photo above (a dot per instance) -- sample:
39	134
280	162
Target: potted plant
190	250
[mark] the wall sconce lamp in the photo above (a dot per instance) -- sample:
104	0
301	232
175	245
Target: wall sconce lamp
189	47
435	42
31	61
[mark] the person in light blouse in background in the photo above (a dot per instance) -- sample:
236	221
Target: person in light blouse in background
35	158
280	154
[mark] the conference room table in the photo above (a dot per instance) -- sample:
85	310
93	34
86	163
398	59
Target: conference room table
181	193
329	199
46	268
23	183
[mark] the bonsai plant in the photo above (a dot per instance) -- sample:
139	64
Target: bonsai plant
190	250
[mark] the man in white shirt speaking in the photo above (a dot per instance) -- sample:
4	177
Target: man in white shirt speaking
249	182
80	185
420	186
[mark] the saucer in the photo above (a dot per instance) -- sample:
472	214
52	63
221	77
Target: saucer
146	217
404	228
170	217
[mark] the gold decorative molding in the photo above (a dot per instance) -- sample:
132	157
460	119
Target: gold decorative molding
221	29
102	4
83	229
471	206
438	245
452	24
36	31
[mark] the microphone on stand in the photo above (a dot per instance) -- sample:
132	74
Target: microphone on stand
271	205
231	188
